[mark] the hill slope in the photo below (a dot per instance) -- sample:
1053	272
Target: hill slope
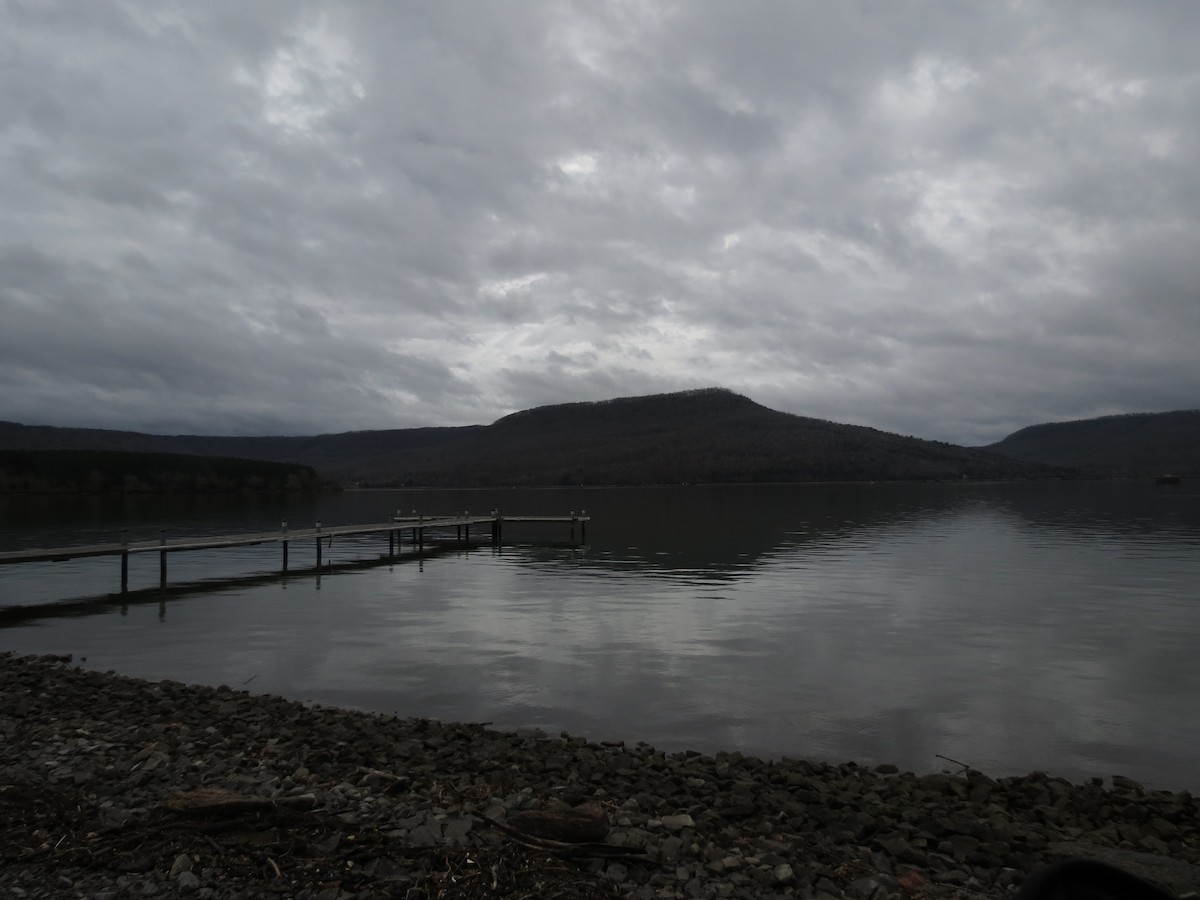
322	451
710	435
1134	444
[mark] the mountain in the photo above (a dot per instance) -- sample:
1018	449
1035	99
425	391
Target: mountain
709	435
1128	445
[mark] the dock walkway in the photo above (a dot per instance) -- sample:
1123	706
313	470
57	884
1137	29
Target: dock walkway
319	534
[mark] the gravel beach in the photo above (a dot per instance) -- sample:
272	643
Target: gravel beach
112	787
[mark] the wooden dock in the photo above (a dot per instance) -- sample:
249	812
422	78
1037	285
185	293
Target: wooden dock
321	535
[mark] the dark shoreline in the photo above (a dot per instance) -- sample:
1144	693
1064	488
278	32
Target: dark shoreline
339	804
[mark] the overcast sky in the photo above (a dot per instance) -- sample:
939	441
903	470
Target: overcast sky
943	219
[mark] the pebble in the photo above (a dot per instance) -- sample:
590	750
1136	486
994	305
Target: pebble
696	826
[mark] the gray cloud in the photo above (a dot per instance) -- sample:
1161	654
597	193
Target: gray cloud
942	220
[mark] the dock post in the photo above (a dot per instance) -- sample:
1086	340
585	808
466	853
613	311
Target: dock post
283	536
162	559
391	542
467	525
583	527
572	528
318	528
124	560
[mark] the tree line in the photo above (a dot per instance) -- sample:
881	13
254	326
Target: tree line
110	471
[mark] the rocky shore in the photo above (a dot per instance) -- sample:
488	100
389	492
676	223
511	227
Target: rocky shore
112	787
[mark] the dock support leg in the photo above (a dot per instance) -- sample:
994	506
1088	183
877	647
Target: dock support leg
318	529
124	561
467	533
285	554
391	543
162	560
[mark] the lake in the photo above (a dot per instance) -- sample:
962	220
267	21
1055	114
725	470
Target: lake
1010	627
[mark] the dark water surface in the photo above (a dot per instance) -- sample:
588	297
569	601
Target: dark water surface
1012	627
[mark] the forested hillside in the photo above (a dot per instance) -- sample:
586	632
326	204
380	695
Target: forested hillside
107	471
319	451
1128	445
702	436
710	435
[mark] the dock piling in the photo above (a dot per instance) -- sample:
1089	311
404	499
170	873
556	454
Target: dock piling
462	521
124	560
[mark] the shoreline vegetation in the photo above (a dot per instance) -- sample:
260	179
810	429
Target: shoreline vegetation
119	472
114	787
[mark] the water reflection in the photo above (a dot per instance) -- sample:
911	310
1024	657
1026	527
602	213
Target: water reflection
1010	626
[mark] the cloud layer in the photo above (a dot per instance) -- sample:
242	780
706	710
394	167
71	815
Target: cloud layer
937	219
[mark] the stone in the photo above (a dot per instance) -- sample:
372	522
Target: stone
183	863
616	871
727	826
187	881
1120	782
865	888
675	823
669	849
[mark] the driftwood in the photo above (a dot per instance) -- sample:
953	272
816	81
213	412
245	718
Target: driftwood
216	802
222	802
564	848
581	825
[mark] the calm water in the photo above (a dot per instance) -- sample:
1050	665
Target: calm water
1012	627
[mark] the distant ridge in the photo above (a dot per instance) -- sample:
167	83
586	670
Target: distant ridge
1134	444
319	451
710	435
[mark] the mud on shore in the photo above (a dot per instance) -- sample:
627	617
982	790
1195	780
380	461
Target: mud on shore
113	787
